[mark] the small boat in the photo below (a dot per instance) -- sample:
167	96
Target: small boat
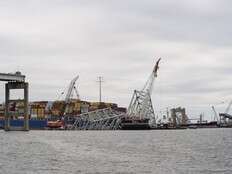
55	124
192	127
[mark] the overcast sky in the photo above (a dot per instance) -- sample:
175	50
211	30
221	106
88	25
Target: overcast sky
52	41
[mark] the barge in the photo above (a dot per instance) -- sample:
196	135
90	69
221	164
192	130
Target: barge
128	123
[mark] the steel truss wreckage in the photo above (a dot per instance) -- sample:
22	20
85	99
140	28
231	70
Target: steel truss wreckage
102	119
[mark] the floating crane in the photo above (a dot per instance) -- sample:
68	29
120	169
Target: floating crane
140	107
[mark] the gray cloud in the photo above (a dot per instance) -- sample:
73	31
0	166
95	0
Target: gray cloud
52	41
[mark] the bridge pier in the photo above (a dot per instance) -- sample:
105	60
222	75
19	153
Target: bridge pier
11	86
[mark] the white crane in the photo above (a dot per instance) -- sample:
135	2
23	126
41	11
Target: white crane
71	89
228	107
215	114
141	104
224	117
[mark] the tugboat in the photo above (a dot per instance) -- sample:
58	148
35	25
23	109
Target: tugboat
58	124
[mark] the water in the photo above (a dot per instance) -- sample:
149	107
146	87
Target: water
119	152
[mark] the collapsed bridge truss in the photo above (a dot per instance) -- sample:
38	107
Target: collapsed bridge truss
102	119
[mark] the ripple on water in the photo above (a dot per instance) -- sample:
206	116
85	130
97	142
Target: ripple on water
119	152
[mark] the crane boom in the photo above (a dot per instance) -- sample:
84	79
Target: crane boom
150	82
70	89
228	107
68	97
215	113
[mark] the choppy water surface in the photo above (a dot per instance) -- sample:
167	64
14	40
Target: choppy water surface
119	152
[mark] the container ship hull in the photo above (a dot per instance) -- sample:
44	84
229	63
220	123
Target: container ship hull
34	124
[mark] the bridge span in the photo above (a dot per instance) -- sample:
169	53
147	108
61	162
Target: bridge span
15	81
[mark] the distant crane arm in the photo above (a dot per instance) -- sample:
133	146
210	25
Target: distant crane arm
228	108
215	113
70	89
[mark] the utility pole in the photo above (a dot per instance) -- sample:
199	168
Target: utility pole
100	80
